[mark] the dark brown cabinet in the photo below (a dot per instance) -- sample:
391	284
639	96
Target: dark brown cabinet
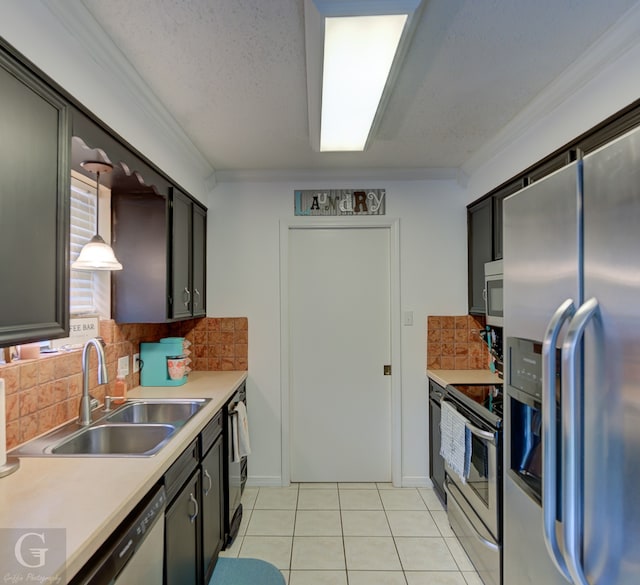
484	238
480	244
212	496
161	244
188	257
35	141
194	518
182	530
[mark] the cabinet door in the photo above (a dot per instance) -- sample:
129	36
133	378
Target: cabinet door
436	461
182	532
199	261
34	207
181	229
497	226
498	198
480	241
212	507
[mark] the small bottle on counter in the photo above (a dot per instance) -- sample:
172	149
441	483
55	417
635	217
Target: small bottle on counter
120	390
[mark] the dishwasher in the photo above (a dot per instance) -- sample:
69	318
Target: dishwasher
134	553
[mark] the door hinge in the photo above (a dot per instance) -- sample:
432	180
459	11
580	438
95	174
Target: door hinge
387	369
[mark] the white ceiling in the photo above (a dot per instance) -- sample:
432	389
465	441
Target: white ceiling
232	73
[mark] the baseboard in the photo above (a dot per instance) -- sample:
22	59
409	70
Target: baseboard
264	481
417	481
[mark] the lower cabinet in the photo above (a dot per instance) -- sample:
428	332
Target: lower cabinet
194	517
212	508
182	531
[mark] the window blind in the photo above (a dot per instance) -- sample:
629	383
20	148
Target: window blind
83	228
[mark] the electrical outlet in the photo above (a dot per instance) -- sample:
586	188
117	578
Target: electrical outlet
136	362
123	364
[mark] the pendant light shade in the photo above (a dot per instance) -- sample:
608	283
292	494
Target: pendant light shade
96	254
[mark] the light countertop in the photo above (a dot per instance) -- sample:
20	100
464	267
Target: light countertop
444	377
90	497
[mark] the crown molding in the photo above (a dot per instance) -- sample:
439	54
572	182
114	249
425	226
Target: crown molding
101	49
339	174
609	48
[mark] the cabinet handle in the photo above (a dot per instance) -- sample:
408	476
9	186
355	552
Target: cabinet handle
208	478
186	293
192	519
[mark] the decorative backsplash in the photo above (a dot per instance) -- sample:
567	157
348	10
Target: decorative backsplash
45	392
454	343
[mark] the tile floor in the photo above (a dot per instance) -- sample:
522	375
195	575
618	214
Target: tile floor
352	534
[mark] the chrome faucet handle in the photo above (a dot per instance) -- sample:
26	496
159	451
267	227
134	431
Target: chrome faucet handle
94	402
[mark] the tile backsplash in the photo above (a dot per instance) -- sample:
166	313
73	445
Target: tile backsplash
45	392
454	343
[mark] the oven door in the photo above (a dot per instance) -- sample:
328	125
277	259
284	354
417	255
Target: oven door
481	488
233	491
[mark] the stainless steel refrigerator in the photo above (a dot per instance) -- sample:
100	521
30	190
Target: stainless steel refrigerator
572	373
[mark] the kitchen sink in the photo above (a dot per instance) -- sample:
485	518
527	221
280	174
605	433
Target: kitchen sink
115	439
138	428
174	412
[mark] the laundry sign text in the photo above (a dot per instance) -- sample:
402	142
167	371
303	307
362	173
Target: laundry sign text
316	202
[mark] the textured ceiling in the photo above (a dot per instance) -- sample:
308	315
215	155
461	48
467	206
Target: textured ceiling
232	73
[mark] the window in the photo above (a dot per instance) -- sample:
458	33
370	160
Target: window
89	292
83	228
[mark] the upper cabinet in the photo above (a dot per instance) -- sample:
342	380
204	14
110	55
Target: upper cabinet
158	233
160	242
188	257
484	239
480	244
34	207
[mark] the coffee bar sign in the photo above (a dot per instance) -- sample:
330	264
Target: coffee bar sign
339	202
81	329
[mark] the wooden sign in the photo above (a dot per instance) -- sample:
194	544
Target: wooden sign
318	202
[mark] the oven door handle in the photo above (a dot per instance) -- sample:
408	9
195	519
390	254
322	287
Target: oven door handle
487	436
490	545
484	435
549	434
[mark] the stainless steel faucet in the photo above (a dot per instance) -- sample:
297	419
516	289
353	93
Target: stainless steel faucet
84	417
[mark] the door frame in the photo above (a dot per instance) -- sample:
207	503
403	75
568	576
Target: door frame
393	225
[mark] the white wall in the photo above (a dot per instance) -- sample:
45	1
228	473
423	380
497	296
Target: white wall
244	279
604	81
63	40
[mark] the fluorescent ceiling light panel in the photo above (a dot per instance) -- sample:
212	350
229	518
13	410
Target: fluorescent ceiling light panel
354	50
358	54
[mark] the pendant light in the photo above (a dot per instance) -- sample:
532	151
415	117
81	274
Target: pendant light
96	254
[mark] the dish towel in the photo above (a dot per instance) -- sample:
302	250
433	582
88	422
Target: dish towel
240	429
455	441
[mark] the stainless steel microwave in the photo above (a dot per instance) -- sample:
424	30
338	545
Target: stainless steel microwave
493	292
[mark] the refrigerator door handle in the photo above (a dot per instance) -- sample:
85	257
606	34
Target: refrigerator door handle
573	509
549	434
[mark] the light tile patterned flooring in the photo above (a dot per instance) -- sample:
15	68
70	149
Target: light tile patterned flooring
352	534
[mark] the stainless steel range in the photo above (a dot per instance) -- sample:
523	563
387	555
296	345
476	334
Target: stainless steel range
474	501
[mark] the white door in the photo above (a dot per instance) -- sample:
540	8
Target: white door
339	343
